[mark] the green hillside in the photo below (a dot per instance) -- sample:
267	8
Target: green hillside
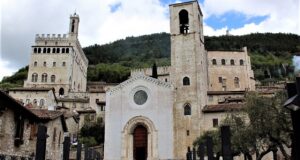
270	53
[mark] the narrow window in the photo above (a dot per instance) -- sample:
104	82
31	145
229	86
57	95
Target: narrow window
63	50
64	64
53	78
34	50
44	77
215	122
186	81
54	135
45	64
232	62
61	91
44	50
42	102
19	130
241	62
39	50
187	109
35	101
35	64
220	80
48	50
223	62
53	50
236	82
184	21
57	50
54	64
166	80
67	50
34	77
59	138
214	62
187	132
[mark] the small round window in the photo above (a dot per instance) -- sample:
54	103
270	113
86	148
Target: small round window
140	97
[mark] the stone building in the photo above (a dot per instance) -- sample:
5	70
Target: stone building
42	98
58	61
18	128
230	71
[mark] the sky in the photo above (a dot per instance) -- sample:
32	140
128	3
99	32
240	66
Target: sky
104	21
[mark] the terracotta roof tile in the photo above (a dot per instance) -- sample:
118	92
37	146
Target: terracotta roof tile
46	114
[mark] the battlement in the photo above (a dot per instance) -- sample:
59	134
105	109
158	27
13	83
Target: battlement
51	37
163	70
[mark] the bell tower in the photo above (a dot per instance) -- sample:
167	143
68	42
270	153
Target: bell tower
188	73
74	24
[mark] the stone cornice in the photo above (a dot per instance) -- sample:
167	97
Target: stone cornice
136	77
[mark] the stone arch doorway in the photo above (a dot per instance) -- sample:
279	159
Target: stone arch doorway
140	142
143	128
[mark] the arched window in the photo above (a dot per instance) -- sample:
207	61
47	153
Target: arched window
232	62
57	50
67	50
45	64
44	77
61	91
63	50
39	50
53	78
186	81
223	61
184	21
236	82
44	50
241	62
42	102
53	50
187	109
35	101
34	50
48	50
64	64
34	77
35	64
73	25
214	62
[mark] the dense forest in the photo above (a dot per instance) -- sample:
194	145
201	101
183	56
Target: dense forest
270	53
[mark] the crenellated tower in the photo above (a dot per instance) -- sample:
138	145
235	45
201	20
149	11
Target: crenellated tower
188	73
58	61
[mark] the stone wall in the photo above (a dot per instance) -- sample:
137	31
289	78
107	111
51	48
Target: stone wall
222	76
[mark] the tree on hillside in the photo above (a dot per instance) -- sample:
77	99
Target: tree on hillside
263	127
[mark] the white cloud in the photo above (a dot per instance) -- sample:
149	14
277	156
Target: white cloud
5	70
283	16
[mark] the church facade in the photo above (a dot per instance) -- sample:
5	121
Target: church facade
159	118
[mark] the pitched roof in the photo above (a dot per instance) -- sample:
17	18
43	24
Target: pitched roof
46	114
223	107
9	102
